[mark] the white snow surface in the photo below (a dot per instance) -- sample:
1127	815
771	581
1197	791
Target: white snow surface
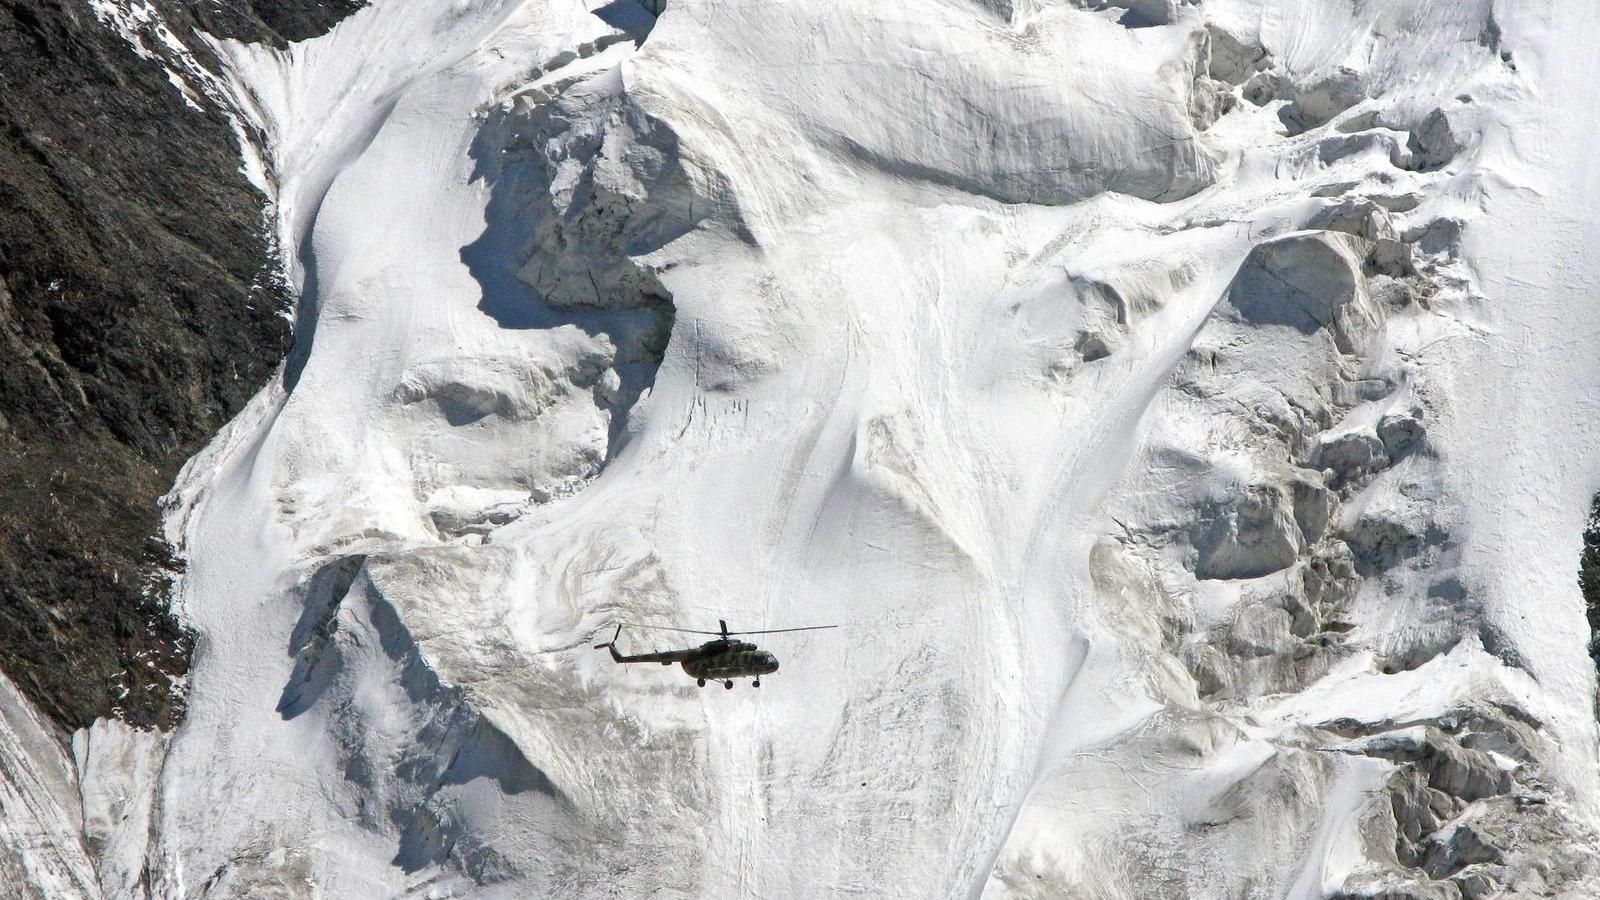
42	853
1051	351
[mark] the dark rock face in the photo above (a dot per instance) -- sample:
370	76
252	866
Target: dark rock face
1589	577
139	309
271	21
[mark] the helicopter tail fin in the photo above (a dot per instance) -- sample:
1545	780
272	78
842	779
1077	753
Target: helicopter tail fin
612	645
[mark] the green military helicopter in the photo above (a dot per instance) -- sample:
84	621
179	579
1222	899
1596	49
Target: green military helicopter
722	659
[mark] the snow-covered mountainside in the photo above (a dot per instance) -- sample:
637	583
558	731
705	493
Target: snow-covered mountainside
1186	408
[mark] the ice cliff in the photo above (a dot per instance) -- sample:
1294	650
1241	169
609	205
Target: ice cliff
1187	409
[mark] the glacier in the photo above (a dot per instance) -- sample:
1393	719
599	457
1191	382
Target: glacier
1184	408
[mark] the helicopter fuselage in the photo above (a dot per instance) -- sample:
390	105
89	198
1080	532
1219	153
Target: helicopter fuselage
721	660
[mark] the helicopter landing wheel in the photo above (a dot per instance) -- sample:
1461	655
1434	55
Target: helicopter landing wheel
728	684
700	681
756	683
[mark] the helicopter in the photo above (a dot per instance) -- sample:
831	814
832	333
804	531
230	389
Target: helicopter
722	659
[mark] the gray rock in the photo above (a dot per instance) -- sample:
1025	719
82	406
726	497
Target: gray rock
1253	536
1392	257
1352	455
1449	768
1329	577
1260	630
1309	281
1358	216
1400	433
1317	103
1480	883
1232	59
1435	142
1313	506
1465	844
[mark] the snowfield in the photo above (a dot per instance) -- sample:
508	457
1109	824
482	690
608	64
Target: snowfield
1187	409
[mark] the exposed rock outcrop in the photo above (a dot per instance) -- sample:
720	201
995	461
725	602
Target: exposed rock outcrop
139	309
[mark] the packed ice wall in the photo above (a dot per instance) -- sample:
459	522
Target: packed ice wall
1182	407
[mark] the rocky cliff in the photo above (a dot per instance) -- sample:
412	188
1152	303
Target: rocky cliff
141	303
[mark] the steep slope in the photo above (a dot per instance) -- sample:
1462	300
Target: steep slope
140	307
1131	380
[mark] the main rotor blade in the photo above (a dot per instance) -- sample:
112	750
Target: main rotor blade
670	628
720	634
781	630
